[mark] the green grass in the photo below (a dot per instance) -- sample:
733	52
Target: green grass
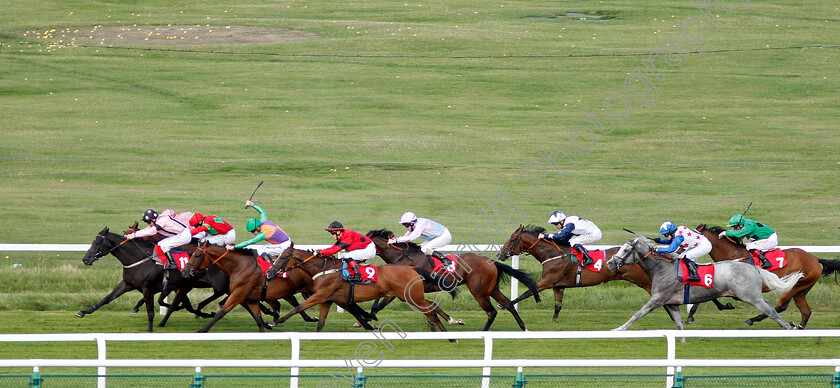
434	107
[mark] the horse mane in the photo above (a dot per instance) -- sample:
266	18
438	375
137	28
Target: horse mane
381	233
715	229
533	229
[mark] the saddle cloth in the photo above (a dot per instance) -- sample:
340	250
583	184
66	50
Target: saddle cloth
181	257
776	257
598	257
369	273
265	265
451	268
705	271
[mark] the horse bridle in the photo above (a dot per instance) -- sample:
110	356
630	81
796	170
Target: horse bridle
100	254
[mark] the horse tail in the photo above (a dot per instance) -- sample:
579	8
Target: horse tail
526	279
428	278
780	285
830	266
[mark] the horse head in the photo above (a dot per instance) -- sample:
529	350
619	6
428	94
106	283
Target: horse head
198	258
380	238
98	249
282	263
631	252
513	245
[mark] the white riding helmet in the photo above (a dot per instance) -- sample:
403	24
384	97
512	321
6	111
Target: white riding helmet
556	217
408	218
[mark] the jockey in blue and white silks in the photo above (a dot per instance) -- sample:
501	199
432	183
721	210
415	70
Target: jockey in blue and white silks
575	231
695	244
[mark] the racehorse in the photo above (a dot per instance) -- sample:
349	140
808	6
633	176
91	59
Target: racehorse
248	286
797	261
481	274
140	272
401	281
731	278
559	271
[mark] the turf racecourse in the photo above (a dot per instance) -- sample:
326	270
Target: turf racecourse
457	110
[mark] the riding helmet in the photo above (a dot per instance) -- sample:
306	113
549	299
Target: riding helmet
150	216
335	225
667	228
736	220
196	219
252	224
556	217
408	218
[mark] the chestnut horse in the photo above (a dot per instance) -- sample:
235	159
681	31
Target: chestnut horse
481	274
559	271
248	286
401	281
797	260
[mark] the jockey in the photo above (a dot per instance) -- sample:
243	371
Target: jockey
213	229
357	247
173	227
436	235
574	231
762	237
264	230
696	245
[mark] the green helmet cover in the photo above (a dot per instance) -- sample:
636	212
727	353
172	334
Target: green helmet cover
252	224
736	220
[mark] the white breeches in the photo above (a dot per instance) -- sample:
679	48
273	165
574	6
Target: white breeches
218	240
588	238
363	254
274	249
767	244
436	243
697	252
175	241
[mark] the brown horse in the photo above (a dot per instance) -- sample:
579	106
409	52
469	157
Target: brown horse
248	286
797	260
559	271
481	274
403	282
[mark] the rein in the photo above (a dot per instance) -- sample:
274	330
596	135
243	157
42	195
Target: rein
204	252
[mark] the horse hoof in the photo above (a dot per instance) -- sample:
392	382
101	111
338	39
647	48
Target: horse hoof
749	322
457	322
454	341
728	306
135	311
689	321
357	324
80	314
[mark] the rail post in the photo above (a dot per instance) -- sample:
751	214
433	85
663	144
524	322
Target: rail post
488	356
36	378
102	355
360	379
198	381
520	381
837	377
514	283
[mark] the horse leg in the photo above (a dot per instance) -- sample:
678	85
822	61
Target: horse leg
293	301
149	296
693	310
230	302
316	298
322	315
721	306
674	312
558	301
504	302
254	309
204	303
804	308
652	304
120	289
781	306
768	311
380	304
180	297
137	306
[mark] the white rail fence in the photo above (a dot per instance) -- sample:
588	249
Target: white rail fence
372	341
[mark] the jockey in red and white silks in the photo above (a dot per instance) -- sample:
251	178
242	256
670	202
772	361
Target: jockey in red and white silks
695	244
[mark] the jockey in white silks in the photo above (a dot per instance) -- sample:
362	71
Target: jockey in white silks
574	231
436	236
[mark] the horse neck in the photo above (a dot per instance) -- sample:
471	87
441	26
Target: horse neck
652	265
229	261
723	249
408	255
543	249
128	253
315	265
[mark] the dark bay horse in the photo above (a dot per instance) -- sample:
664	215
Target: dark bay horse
248	285
797	261
559	271
406	283
140	272
731	278
480	274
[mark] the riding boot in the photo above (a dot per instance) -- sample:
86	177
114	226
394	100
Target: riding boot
170	261
267	258
587	260
444	261
357	275
764	262
692	270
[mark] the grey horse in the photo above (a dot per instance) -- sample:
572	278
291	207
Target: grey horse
734	279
